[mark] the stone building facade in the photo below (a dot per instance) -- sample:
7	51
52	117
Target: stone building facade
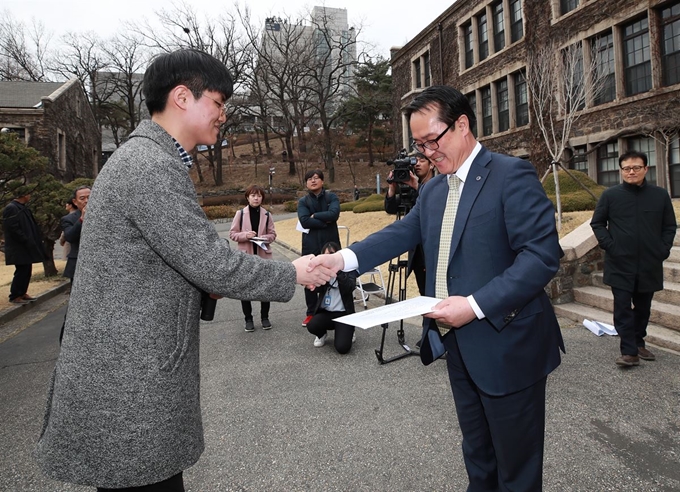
54	118
483	48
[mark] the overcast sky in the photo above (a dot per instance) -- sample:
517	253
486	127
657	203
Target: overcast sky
385	23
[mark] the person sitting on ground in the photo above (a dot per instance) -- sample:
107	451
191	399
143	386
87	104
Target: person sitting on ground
335	300
254	221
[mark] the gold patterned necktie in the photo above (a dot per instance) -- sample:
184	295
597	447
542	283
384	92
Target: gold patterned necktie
441	288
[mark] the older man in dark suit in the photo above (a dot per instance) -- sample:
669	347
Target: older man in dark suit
23	246
488	232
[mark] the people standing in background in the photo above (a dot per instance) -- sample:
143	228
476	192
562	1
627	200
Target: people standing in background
423	171
318	211
634	223
72	225
357	193
253	221
66	246
23	246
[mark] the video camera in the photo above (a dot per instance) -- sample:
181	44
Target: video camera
403	167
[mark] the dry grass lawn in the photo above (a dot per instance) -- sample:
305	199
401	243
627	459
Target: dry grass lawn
38	285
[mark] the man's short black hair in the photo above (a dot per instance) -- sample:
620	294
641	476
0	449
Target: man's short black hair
312	172
195	69
450	103
633	154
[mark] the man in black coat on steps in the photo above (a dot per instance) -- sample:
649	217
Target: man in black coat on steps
635	225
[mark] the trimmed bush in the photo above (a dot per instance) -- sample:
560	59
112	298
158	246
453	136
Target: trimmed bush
290	206
218	212
568	185
575	202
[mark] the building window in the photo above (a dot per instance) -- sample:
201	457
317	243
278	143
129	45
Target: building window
674	165
516	28
521	100
483	34
608	164
467	42
670	61
579	161
421	71
472	99
573	66
647	146
567	6
416	74
19	132
426	68
487	116
61	151
605	70
498	26
503	105
636	57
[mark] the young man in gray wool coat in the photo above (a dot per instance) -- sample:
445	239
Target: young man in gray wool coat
123	410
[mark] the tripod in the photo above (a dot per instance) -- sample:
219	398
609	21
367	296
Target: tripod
398	272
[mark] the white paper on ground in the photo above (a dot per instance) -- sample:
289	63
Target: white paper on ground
599	329
390	312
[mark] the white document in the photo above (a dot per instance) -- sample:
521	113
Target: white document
390	312
299	227
599	329
260	241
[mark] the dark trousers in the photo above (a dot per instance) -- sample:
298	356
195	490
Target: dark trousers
22	277
631	315
322	322
172	484
502	435
311	299
247	307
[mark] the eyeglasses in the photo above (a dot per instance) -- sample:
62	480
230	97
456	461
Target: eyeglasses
635	169
430	144
223	107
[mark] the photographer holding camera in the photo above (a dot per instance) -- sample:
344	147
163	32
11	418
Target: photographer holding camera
401	196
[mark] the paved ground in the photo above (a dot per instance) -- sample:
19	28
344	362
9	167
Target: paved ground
281	415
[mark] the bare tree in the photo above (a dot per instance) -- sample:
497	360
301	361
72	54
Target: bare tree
283	53
181	27
561	83
23	51
81	56
330	76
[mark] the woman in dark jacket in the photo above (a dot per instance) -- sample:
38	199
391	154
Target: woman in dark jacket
335	300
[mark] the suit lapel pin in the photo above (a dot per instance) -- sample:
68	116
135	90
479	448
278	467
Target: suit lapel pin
478	178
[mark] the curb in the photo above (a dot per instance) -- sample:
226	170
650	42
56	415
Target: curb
13	312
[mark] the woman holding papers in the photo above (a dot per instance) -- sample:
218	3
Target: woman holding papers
253	230
335	300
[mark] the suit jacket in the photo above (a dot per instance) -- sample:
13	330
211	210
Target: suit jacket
123	408
241	225
72	227
504	250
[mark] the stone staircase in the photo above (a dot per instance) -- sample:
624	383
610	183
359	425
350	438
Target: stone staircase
595	302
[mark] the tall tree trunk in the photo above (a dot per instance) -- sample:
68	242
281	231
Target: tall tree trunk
370	144
328	154
289	152
199	171
218	163
48	265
